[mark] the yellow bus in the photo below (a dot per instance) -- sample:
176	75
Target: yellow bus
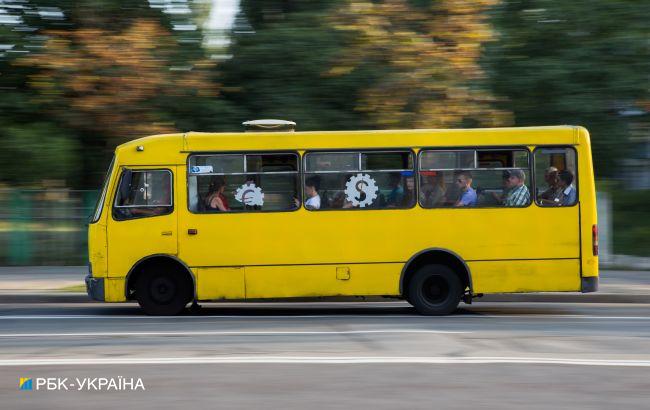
430	216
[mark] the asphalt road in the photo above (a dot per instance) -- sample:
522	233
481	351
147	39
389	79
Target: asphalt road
332	355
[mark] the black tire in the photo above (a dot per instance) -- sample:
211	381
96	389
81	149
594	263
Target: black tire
163	291
435	290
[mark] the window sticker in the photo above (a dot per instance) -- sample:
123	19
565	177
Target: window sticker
361	190
249	194
201	169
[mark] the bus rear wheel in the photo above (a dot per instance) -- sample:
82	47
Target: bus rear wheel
162	292
435	290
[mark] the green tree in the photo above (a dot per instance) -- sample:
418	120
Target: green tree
100	72
427	54
282	53
573	62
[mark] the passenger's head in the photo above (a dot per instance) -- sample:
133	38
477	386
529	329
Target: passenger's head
551	176
217	184
464	179
312	185
565	178
514	178
395	178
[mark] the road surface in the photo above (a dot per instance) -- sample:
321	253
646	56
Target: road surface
331	355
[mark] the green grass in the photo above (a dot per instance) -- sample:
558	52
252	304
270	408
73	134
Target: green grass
73	288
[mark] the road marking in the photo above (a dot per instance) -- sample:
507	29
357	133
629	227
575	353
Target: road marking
230	333
477	315
324	360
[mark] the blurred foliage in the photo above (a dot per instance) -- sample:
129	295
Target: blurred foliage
427	54
581	62
78	77
631	222
32	152
281	54
115	84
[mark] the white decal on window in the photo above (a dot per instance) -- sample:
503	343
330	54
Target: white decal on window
361	190
201	169
249	194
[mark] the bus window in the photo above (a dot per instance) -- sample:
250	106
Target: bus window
462	178
359	180
555	177
142	194
243	182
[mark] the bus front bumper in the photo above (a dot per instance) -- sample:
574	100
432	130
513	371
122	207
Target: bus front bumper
95	288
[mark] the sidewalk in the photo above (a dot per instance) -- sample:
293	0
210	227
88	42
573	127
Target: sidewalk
65	284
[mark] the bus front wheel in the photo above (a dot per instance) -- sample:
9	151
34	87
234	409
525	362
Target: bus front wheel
435	290
162	292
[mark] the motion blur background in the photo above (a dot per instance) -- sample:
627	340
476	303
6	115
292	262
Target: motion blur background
79	77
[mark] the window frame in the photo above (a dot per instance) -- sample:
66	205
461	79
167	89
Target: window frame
297	172
531	168
576	178
117	191
99	206
360	151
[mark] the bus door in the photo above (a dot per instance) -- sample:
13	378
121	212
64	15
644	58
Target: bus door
142	220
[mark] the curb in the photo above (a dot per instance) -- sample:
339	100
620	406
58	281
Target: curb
75	297
567	298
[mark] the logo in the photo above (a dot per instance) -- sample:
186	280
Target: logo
25	383
249	194
361	190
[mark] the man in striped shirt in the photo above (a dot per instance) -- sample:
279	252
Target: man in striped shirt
518	194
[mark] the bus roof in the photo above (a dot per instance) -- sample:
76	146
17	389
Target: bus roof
173	148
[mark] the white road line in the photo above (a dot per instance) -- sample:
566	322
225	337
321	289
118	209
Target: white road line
229	333
338	316
323	360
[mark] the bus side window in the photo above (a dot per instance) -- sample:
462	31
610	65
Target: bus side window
246	182
142	194
359	180
555	177
474	178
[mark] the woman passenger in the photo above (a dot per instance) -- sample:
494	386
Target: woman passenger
216	200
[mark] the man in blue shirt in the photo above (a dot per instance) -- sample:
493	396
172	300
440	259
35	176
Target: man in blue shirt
569	194
467	194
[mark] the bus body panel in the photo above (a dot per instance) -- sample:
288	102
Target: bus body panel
588	213
132	240
323	280
220	283
526	276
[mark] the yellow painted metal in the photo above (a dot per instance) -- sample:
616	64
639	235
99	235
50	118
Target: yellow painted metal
342	273
526	276
376	236
114	290
131	240
287	254
320	280
587	192
220	283
98	249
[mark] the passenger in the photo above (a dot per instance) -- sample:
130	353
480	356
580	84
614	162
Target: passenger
312	185
568	195
517	192
553	192
433	191
467	193
216	200
395	197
